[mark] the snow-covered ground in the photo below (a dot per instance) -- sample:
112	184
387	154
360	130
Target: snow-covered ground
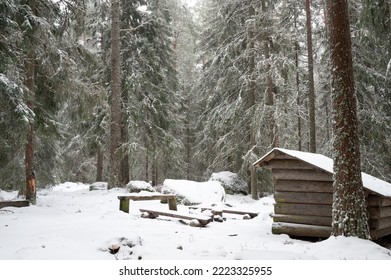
70	222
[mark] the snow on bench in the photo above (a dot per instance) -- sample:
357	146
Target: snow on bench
196	220
219	211
124	200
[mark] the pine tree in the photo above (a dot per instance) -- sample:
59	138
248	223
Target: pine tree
371	53
115	124
151	85
311	87
186	31
250	96
349	217
14	111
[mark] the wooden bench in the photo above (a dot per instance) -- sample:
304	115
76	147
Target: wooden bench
14	203
124	200
228	211
202	219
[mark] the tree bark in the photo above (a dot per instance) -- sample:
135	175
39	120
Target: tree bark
349	214
146	162
125	166
188	140
300	147
31	189
250	98
115	139
99	165
269	95
311	87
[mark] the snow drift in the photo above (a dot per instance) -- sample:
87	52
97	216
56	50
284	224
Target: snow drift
191	192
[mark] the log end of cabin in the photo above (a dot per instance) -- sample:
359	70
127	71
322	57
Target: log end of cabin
301	230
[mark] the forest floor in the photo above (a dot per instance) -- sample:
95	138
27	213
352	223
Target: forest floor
70	222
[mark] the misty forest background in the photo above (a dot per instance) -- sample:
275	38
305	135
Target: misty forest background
204	89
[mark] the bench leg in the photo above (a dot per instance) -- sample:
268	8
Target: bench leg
124	205
172	204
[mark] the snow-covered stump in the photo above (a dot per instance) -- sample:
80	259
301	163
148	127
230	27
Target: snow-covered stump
193	193
147	215
217	215
231	182
98	186
139	186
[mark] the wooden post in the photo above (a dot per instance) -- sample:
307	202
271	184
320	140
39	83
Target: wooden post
124	205
172	204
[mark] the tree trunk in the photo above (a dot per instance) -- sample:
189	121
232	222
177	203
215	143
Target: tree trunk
99	165
349	214
298	102
250	102
125	177
269	96
115	139
146	162
311	87
188	140
300	146
154	168
30	191
125	166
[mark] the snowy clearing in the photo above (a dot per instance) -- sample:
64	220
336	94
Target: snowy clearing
70	222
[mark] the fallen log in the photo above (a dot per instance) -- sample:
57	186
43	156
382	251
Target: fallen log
203	220
14	203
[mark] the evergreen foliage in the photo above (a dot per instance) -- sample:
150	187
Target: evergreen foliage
203	90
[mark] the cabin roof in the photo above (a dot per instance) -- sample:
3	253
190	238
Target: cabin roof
325	163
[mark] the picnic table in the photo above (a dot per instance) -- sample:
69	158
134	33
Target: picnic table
124	200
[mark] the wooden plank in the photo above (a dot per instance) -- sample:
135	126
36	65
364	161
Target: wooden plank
376	200
281	155
14	203
301	230
272	156
300	219
240	212
124	200
124	205
288	164
136	197
379	212
302	175
172	203
380	224
303	209
378	233
230	211
174	214
303	186
304	197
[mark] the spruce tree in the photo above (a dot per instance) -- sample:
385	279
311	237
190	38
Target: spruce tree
311	86
371	55
116	108
349	217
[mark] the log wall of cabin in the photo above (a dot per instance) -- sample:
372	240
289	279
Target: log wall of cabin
379	210
304	197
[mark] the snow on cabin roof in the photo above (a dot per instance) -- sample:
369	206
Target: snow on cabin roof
325	163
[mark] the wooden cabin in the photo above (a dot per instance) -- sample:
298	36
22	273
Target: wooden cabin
303	191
